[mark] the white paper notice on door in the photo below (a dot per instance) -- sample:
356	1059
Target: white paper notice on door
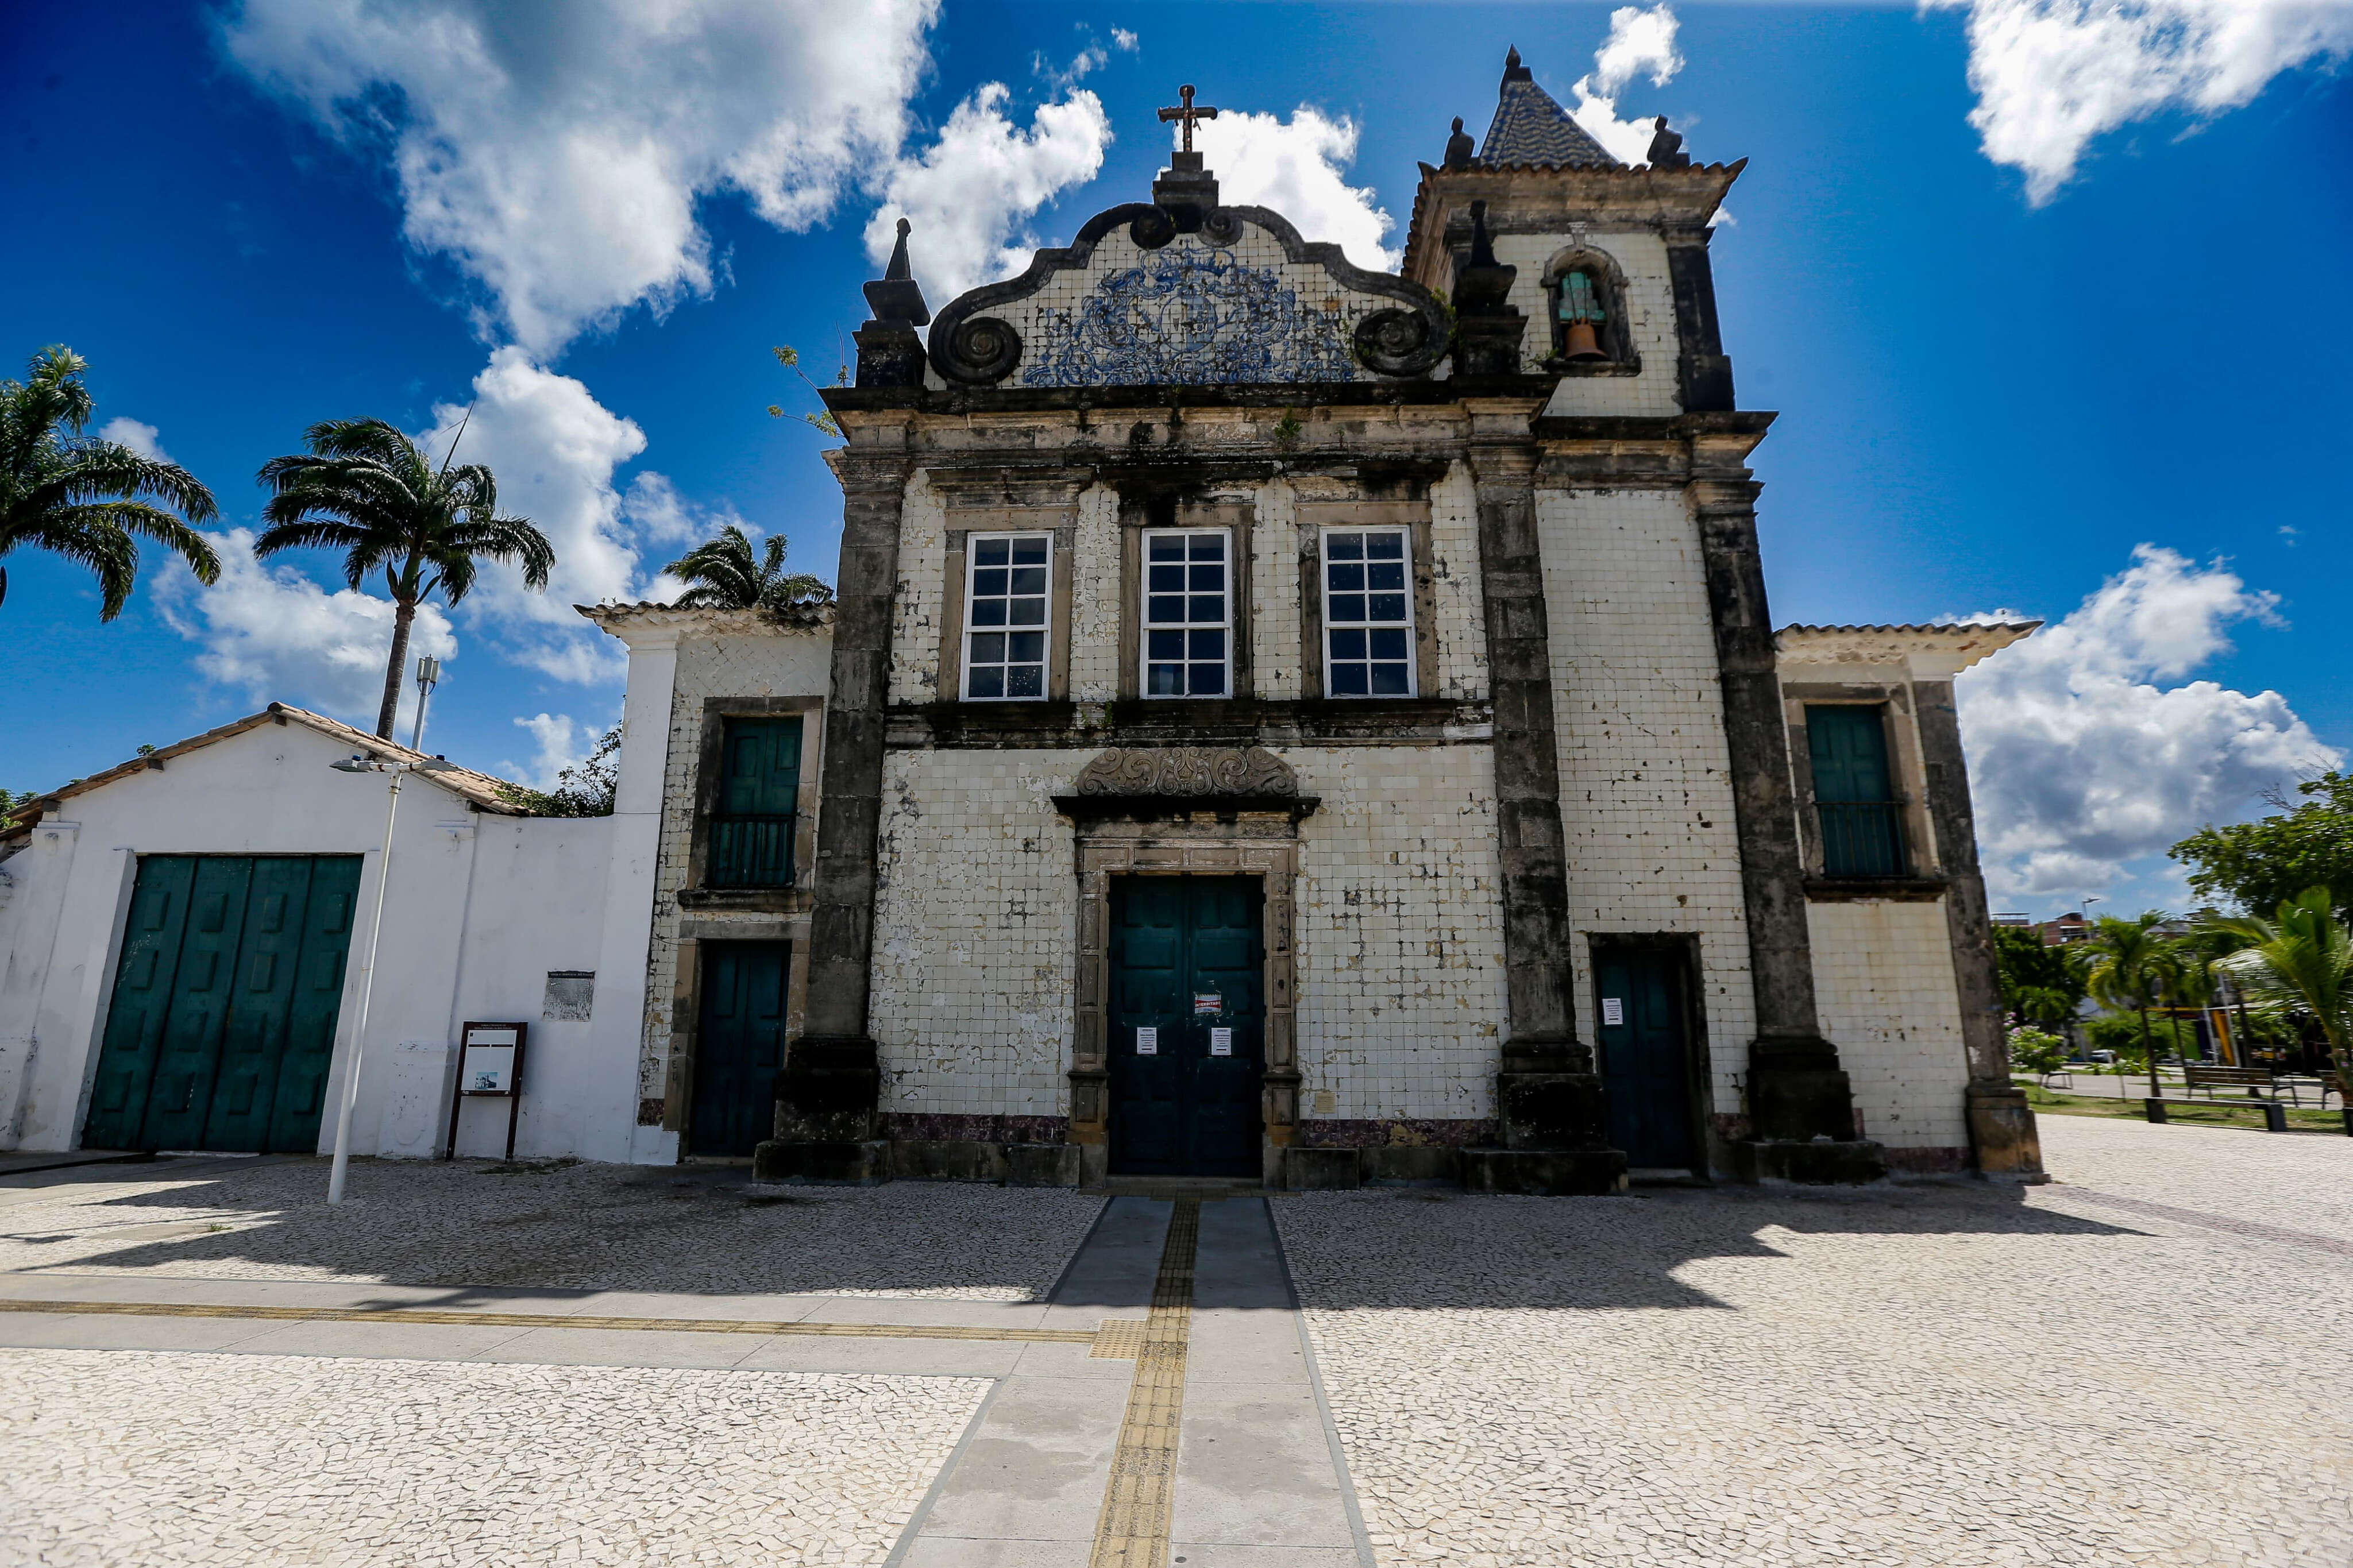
1221	1042
1147	1042
1613	1010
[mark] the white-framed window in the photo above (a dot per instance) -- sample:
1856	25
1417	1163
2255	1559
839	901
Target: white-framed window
1368	612
1007	620
1189	613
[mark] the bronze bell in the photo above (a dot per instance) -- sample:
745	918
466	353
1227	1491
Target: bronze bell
1581	343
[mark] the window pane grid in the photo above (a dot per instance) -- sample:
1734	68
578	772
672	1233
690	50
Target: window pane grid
1187	615
1004	616
1367	614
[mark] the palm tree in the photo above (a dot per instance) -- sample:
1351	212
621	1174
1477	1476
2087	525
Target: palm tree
370	492
2301	959
86	499
2131	973
726	576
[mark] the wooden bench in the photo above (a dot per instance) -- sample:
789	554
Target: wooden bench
2275	1113
2248	1080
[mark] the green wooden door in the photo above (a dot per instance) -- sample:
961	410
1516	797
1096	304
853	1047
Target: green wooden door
1645	1057
1186	981
739	1047
759	793
223	1018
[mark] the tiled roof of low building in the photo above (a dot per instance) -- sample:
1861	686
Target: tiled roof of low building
480	790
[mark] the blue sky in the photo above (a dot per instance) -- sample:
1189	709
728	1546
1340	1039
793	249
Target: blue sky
1999	377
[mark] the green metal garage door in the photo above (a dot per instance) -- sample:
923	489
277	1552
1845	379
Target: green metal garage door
223	1022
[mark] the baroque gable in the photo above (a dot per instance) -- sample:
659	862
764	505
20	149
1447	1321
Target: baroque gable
1230	296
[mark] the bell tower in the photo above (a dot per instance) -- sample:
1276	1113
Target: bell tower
1611	260
1582	292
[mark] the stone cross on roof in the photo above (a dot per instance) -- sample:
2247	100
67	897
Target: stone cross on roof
1185	114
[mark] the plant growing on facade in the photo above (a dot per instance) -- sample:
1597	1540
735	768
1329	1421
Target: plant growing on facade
370	492
727	575
790	358
2300	961
84	498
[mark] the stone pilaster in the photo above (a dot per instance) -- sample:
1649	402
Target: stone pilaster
1549	1095
828	1096
1702	370
2002	1124
1801	1105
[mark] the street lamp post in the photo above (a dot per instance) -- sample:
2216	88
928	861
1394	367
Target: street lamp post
356	763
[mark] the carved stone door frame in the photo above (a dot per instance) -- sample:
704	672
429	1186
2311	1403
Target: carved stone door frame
1184	811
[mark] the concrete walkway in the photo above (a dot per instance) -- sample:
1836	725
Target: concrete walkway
1255	1478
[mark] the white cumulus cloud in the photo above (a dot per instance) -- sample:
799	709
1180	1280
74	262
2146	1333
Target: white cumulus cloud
555	152
554	450
2053	76
140	437
557	743
2088	747
273	635
1641	43
970	192
1298	167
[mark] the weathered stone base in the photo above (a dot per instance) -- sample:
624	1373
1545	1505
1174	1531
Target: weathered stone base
1321	1170
1545	1172
869	1164
948	1160
2002	1130
858	1165
1043	1166
1820	1163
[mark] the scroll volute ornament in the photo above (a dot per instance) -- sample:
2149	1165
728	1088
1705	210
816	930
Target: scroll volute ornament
1193	772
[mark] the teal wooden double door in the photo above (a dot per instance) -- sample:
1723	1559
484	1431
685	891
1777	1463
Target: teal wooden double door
222	1026
1186	1025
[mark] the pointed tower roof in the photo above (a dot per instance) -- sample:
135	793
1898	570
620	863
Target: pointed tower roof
1531	127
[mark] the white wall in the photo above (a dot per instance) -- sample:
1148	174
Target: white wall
479	908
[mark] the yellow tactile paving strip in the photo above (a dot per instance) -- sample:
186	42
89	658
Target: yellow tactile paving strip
1114	1340
1133	1529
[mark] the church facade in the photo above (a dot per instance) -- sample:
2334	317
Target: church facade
1281	721
1293	722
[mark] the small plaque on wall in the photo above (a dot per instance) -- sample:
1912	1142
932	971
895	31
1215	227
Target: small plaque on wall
1147	1042
493	1059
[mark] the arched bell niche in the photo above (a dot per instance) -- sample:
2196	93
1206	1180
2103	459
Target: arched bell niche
1585	293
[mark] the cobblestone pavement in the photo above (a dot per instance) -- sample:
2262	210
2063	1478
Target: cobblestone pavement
613	1228
1944	1376
127	1456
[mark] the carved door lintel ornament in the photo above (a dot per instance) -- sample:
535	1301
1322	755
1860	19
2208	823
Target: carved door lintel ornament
1174	778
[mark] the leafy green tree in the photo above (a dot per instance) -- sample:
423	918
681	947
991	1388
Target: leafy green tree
2301	961
2037	1051
583	789
2262	863
2042	984
2130	970
89	499
370	492
727	576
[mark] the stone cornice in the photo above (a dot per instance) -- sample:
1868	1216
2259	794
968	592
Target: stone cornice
629	622
1523	197
1925	652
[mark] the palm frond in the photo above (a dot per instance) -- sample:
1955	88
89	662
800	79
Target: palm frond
110	553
